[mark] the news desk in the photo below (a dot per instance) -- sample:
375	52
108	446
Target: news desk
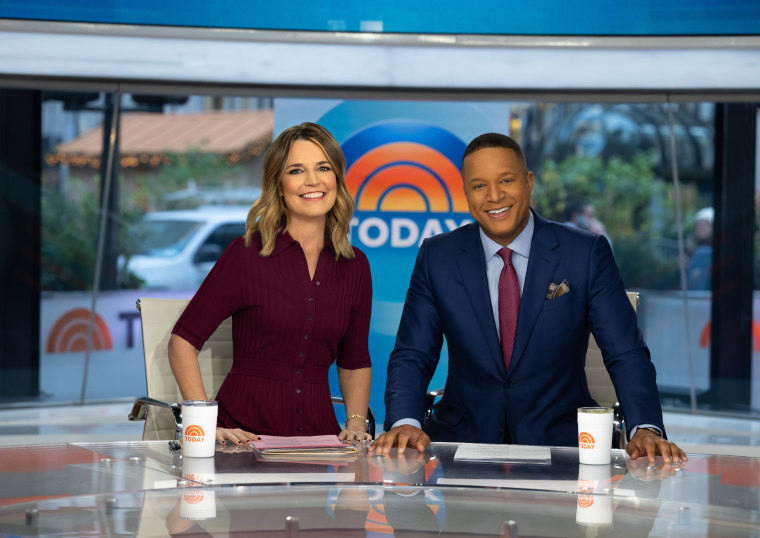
145	489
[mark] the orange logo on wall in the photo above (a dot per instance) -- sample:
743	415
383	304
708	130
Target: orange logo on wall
584	501
69	333
194	497
406	176
194	434
586	441
704	337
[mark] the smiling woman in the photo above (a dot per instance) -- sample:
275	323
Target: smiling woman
299	295
309	186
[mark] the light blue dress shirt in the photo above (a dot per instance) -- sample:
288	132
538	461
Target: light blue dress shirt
520	248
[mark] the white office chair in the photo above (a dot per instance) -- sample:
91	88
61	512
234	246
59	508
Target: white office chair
158	317
599	385
160	409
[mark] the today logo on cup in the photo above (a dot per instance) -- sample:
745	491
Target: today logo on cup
584	501
194	434
586	441
194	497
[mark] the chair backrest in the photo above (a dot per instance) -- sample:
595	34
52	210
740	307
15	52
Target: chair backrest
599	382
158	317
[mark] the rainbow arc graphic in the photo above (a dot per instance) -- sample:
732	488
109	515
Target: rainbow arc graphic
405	166
69	333
194	497
193	430
586	438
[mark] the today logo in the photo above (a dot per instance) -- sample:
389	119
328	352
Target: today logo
584	501
194	434
399	173
194	497
71	332
586	441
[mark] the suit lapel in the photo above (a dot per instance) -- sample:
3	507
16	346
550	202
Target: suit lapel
472	266
542	261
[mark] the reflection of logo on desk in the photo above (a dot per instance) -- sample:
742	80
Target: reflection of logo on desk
586	485
194	434
586	441
584	501
194	497
71	332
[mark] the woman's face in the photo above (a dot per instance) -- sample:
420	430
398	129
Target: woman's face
309	185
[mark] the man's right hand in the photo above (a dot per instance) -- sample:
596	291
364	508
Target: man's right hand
401	437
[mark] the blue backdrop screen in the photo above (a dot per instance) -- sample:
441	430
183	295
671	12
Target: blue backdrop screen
540	17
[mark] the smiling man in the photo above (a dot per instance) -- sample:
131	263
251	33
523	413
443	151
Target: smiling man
515	296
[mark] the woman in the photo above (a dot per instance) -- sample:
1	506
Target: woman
299	295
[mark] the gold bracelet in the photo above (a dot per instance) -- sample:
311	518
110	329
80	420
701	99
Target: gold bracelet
354	417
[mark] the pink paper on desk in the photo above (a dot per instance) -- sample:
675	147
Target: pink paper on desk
313	441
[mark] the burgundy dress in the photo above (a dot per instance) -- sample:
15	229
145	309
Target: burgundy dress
287	330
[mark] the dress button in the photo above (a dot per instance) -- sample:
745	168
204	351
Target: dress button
305	336
298	391
311	299
300	354
298	410
308	317
298	372
317	282
299	428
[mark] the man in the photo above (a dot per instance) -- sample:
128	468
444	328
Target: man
516	356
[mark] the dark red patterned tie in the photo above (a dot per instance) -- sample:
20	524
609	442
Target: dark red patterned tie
509	305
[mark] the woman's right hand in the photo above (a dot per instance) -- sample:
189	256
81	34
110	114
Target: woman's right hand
236	436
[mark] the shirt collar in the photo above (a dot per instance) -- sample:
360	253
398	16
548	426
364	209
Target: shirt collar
520	245
284	240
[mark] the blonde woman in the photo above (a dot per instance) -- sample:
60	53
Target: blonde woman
300	297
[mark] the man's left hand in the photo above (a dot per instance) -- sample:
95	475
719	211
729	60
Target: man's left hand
648	443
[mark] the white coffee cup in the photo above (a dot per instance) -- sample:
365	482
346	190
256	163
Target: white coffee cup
198	469
594	509
198	503
595	435
198	428
594	478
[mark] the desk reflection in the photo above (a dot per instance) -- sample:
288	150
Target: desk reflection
151	491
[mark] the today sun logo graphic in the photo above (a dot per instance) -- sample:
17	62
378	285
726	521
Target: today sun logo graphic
404	177
586	441
194	497
584	501
194	434
70	333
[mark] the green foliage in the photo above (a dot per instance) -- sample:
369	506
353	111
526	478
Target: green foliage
636	207
179	170
69	239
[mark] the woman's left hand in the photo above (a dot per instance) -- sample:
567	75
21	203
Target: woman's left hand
351	436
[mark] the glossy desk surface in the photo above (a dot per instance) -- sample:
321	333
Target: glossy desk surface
144	489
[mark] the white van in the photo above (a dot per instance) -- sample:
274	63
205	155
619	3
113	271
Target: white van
176	249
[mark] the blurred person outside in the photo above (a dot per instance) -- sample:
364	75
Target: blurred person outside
581	214
699	269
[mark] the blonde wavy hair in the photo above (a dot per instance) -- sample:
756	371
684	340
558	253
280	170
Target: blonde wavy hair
269	214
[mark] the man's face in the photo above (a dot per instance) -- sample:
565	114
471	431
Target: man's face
498	192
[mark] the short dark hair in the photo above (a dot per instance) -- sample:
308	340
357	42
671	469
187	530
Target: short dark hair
495	140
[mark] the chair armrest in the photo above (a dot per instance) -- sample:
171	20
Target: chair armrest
619	438
140	411
430	398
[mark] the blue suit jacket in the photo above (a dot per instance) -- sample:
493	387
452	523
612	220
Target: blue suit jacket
538	397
